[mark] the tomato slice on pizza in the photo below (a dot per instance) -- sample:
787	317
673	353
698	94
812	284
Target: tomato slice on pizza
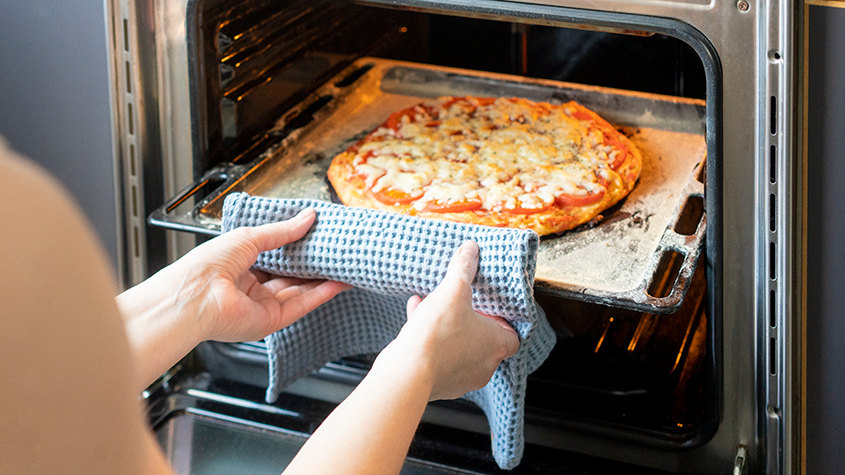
493	161
390	196
458	206
584	199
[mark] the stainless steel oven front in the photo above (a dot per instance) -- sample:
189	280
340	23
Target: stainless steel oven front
199	82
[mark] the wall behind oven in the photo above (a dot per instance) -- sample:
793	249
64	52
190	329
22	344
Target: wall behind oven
55	105
825	239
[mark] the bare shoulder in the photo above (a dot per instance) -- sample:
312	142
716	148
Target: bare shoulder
64	357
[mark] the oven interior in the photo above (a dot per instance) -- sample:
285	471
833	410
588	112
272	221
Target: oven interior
621	374
255	60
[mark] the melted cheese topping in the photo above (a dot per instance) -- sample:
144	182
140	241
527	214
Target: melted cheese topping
513	153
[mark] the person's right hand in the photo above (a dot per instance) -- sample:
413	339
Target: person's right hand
445	340
445	350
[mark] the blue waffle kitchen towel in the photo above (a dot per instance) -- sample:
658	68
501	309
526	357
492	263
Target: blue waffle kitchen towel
388	257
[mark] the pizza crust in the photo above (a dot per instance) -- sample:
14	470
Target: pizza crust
354	183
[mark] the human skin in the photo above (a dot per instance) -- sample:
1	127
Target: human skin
73	358
445	350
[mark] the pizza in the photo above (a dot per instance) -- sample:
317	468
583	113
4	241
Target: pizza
505	162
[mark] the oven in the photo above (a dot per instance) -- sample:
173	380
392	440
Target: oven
704	377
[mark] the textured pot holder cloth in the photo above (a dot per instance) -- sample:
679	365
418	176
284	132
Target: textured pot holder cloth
388	257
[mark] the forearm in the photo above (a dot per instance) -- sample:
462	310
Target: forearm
161	319
370	432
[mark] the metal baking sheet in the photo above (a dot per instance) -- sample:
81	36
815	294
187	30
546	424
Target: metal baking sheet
612	263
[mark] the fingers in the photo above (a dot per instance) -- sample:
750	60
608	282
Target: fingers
317	288
508	335
501	321
275	235
262	276
298	300
463	266
276	284
412	304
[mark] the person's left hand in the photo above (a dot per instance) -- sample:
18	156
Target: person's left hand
212	293
242	303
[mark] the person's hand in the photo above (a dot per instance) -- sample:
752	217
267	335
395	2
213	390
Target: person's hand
212	293
241	303
445	350
446	340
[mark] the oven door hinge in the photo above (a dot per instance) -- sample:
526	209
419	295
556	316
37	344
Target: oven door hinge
739	461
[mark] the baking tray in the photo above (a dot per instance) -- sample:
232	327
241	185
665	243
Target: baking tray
612	263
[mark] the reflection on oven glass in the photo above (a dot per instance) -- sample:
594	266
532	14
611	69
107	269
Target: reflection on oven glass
207	445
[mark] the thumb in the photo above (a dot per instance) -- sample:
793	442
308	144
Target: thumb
507	333
275	235
413	302
462	267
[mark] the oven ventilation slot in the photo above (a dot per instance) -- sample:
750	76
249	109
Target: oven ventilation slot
772	214
773	316
773	170
773	352
773	115
131	120
773	268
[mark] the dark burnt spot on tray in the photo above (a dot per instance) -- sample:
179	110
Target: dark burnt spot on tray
640	221
315	158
